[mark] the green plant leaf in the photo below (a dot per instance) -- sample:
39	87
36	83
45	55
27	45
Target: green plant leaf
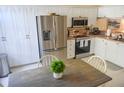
57	66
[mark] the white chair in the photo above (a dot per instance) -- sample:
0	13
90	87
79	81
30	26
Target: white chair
98	63
47	59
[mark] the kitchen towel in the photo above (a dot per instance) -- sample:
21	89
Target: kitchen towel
81	43
86	43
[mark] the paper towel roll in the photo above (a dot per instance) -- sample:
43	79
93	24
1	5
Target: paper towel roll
108	32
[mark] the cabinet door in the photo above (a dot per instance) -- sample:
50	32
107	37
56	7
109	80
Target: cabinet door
21	36
120	53
92	46
8	28
27	37
2	33
2	44
100	47
111	51
70	49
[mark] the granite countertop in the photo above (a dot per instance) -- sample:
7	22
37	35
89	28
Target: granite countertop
89	36
110	38
99	36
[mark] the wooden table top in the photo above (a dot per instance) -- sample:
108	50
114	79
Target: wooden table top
77	74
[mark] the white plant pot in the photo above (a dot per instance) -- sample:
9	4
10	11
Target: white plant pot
57	75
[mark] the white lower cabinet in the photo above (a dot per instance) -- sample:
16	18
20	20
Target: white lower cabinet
100	49
92	45
110	50
71	48
115	52
120	54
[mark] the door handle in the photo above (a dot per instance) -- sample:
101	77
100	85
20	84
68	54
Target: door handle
3	38
27	36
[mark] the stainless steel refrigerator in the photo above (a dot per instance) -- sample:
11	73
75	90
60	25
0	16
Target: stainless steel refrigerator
52	32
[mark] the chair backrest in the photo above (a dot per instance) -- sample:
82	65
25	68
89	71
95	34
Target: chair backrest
98	62
47	59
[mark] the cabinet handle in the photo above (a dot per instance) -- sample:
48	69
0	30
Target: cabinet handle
3	38
27	36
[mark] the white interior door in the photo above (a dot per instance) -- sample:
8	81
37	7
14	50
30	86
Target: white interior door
2	41
31	36
20	47
2	33
27	37
10	34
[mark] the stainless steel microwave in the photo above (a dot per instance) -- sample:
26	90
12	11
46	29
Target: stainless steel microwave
79	21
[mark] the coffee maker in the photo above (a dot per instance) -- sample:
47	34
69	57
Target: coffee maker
95	31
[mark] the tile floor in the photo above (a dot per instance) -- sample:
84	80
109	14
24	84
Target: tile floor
114	71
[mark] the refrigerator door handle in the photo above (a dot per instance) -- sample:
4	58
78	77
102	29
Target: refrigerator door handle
54	33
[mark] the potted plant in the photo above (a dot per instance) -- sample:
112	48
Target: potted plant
57	67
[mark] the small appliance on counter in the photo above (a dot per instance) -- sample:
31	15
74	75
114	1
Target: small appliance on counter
95	31
114	36
117	36
108	33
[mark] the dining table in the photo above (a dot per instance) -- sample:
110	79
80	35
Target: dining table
77	73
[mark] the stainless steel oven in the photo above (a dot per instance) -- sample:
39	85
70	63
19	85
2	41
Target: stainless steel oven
79	21
82	47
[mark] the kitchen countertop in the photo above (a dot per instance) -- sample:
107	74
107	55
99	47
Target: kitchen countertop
98	36
110	38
